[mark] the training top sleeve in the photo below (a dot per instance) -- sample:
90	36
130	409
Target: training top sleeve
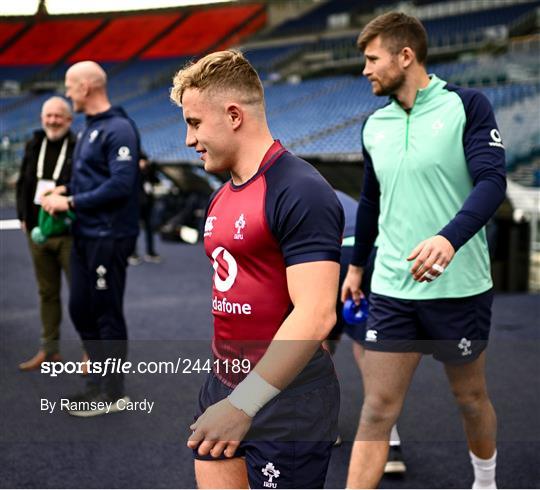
484	151
367	216
303	212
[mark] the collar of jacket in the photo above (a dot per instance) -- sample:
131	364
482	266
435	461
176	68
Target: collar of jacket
39	134
115	111
424	95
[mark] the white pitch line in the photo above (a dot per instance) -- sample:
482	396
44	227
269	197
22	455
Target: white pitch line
10	224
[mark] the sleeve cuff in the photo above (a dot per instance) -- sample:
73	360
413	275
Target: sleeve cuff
452	236
313	257
360	256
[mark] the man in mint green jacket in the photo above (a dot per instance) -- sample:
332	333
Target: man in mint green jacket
434	175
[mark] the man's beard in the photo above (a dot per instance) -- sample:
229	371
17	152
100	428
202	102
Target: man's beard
55	134
392	85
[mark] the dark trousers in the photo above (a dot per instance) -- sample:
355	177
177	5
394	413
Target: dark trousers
146	217
98	280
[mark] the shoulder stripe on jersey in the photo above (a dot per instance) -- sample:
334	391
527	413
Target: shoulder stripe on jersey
273	159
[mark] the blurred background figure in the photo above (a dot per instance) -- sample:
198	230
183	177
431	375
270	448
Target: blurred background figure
356	330
148	179
103	192
47	163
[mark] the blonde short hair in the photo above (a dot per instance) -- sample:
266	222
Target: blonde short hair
222	71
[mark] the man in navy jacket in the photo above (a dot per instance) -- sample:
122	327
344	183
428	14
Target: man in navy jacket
103	192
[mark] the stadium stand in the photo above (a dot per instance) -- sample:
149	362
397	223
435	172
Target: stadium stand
449	29
475	26
112	44
336	49
313	117
48	41
20	73
190	39
21	115
249	27
520	128
8	30
267	59
316	20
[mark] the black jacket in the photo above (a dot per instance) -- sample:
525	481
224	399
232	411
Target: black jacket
27	211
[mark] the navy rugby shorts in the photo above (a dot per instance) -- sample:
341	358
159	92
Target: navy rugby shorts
453	330
291	438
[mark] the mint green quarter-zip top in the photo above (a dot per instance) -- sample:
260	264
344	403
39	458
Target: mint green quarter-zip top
419	161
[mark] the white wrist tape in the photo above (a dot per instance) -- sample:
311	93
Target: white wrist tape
252	394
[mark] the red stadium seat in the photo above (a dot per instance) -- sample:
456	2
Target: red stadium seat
200	31
48	41
112	44
9	29
239	34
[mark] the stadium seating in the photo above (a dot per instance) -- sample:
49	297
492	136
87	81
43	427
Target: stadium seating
311	117
520	129
314	117
122	38
316	20
48	41
266	60
452	29
21	115
20	73
201	31
474	26
8	30
464	29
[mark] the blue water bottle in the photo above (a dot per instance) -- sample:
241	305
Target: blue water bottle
355	314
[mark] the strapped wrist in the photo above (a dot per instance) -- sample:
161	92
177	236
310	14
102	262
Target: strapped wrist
252	394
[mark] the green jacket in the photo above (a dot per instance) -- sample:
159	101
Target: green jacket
436	169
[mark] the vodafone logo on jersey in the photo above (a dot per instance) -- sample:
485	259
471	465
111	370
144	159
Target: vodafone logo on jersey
223	285
496	139
232	269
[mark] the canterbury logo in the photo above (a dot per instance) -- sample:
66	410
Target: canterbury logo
232	270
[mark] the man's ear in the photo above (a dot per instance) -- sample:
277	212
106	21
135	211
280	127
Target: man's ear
406	57
85	87
235	114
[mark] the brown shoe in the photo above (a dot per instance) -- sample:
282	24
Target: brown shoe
38	360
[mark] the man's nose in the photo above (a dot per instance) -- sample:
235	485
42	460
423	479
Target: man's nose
190	138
